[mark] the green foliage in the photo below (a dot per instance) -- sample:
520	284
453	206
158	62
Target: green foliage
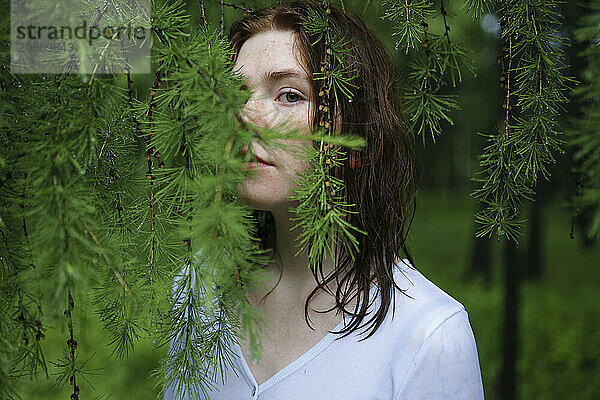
322	212
559	339
408	18
81	212
436	63
317	187
584	132
478	7
535	88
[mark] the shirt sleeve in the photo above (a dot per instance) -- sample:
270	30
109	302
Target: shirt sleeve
447	365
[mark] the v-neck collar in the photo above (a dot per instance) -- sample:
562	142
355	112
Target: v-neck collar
294	365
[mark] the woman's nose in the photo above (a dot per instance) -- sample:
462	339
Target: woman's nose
253	112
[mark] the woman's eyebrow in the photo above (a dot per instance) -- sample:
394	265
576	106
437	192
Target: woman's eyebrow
275	75
284	73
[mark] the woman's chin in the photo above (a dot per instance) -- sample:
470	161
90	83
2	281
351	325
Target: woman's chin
258	199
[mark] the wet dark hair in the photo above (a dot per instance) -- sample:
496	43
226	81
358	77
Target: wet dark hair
378	179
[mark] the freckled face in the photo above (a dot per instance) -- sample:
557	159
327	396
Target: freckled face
281	93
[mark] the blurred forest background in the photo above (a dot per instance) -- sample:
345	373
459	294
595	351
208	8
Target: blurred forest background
548	344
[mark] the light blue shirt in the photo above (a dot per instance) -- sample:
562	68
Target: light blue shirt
424	350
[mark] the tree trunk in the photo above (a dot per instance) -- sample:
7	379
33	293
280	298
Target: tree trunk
481	260
510	342
481	257
536	238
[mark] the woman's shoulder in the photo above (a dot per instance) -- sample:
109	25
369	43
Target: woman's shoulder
421	290
418	304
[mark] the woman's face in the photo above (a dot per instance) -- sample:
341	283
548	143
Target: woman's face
282	93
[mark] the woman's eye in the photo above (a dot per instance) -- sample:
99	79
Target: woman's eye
291	97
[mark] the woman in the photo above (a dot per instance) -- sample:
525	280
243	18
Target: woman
423	348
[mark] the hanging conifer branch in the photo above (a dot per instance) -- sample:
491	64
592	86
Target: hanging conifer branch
187	366
408	18
116	296
72	346
478	7
583	131
30	333
69	368
509	58
533	76
501	186
322	213
149	176
225	268
436	64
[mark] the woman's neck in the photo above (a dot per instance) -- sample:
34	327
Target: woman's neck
297	279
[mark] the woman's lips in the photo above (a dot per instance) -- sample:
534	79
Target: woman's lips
260	163
254	164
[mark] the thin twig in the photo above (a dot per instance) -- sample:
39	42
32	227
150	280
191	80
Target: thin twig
101	10
115	272
72	344
536	34
117	32
238	7
507	130
148	154
447	28
203	12
143	9
222	19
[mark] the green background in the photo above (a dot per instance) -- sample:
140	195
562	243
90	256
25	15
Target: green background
559	310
